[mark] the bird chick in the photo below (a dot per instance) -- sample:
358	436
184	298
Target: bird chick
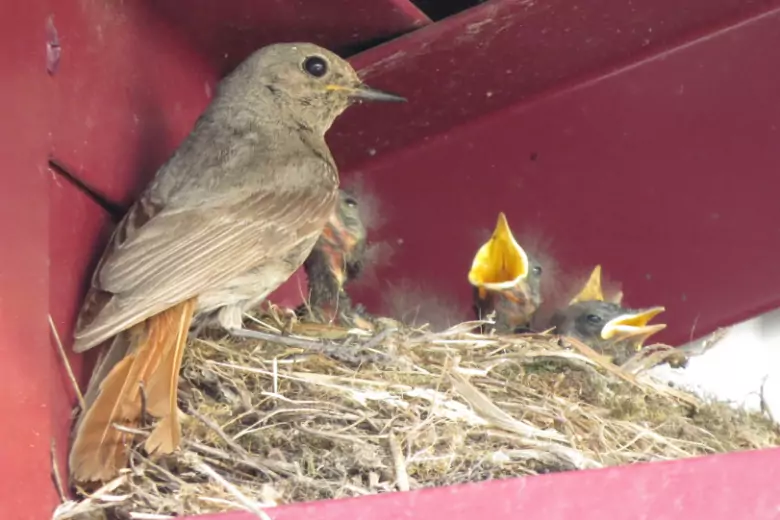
605	326
336	259
506	281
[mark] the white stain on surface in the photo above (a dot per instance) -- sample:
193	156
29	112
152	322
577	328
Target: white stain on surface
742	368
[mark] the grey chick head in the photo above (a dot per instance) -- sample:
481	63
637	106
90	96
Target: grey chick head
606	327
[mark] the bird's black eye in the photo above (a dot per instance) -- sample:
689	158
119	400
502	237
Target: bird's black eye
315	66
593	318
349	201
537	270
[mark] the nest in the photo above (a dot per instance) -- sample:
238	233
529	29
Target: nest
322	413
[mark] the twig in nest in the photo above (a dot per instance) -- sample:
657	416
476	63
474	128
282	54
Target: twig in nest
219	431
74	510
55	472
333	350
201	467
249	459
379	338
132	431
262	466
65	362
646	359
173	479
399	462
496	416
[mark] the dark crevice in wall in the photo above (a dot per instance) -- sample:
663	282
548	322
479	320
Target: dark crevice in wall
61	170
438	9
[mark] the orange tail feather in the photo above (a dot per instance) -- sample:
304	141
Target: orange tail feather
99	450
162	391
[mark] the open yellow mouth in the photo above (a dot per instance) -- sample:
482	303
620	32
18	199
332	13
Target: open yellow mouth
500	263
633	325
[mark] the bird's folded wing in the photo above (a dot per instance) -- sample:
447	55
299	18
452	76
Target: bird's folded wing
178	254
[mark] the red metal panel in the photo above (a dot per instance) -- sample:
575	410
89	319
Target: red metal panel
226	32
27	360
727	487
135	75
73	219
508	51
664	171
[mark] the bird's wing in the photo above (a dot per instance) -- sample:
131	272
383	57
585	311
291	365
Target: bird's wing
158	258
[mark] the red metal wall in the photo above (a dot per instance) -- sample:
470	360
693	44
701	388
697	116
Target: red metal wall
652	129
27	360
630	134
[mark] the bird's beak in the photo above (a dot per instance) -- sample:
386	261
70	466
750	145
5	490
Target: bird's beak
592	289
633	325
500	263
366	93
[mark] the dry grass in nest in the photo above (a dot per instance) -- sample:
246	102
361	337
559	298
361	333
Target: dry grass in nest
269	423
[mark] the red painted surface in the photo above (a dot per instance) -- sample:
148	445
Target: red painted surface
655	153
664	170
507	52
27	360
135	75
739	485
74	219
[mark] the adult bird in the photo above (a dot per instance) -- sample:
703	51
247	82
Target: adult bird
225	221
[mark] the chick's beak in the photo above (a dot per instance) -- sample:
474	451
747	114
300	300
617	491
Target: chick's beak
633	325
365	93
592	289
500	263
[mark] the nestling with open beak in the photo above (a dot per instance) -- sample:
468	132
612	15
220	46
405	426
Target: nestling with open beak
336	260
506	281
605	326
226	220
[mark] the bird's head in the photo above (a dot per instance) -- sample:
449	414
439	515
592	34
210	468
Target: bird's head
607	327
316	84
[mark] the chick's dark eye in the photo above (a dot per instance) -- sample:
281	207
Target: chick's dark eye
315	66
593	318
537	270
350	202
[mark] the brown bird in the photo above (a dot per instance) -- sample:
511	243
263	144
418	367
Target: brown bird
506	281
336	260
605	326
226	220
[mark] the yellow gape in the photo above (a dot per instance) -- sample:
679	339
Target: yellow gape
591	291
633	326
500	263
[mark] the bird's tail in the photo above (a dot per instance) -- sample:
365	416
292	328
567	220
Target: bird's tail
144	360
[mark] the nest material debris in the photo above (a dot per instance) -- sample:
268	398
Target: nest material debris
268	423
